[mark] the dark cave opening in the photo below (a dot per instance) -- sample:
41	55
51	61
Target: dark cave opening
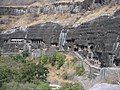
98	1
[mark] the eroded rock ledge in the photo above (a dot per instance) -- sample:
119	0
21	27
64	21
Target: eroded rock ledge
57	7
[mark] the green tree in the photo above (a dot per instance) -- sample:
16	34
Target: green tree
5	75
18	58
10	86
30	71
70	86
41	72
80	70
58	59
25	54
44	59
18	86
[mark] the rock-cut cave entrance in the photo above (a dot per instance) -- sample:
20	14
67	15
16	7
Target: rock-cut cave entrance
98	1
102	1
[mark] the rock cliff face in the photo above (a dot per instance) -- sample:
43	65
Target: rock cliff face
92	28
105	86
110	75
103	33
58	7
47	9
100	33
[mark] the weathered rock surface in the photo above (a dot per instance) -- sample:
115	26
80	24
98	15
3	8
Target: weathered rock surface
105	86
110	75
56	7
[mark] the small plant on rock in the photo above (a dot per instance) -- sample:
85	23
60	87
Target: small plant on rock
80	70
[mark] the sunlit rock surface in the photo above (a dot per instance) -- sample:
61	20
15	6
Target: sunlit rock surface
105	86
110	75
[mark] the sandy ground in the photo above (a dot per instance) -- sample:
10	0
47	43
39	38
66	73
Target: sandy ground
55	76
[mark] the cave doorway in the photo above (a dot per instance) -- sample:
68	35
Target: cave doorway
99	1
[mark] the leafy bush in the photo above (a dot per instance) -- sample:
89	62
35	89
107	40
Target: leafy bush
69	86
25	54
80	70
30	71
74	60
10	86
5	75
27	71
26	86
18	86
58	60
16	78
44	59
43	86
18	58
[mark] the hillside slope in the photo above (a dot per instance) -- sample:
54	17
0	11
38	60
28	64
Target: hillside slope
57	11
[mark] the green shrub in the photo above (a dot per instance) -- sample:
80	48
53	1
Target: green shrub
80	70
11	86
74	60
18	58
6	75
69	86
44	59
43	86
58	60
27	86
25	54
18	86
30	71
65	75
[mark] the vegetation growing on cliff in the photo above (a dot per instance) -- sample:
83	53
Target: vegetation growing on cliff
17	71
69	86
